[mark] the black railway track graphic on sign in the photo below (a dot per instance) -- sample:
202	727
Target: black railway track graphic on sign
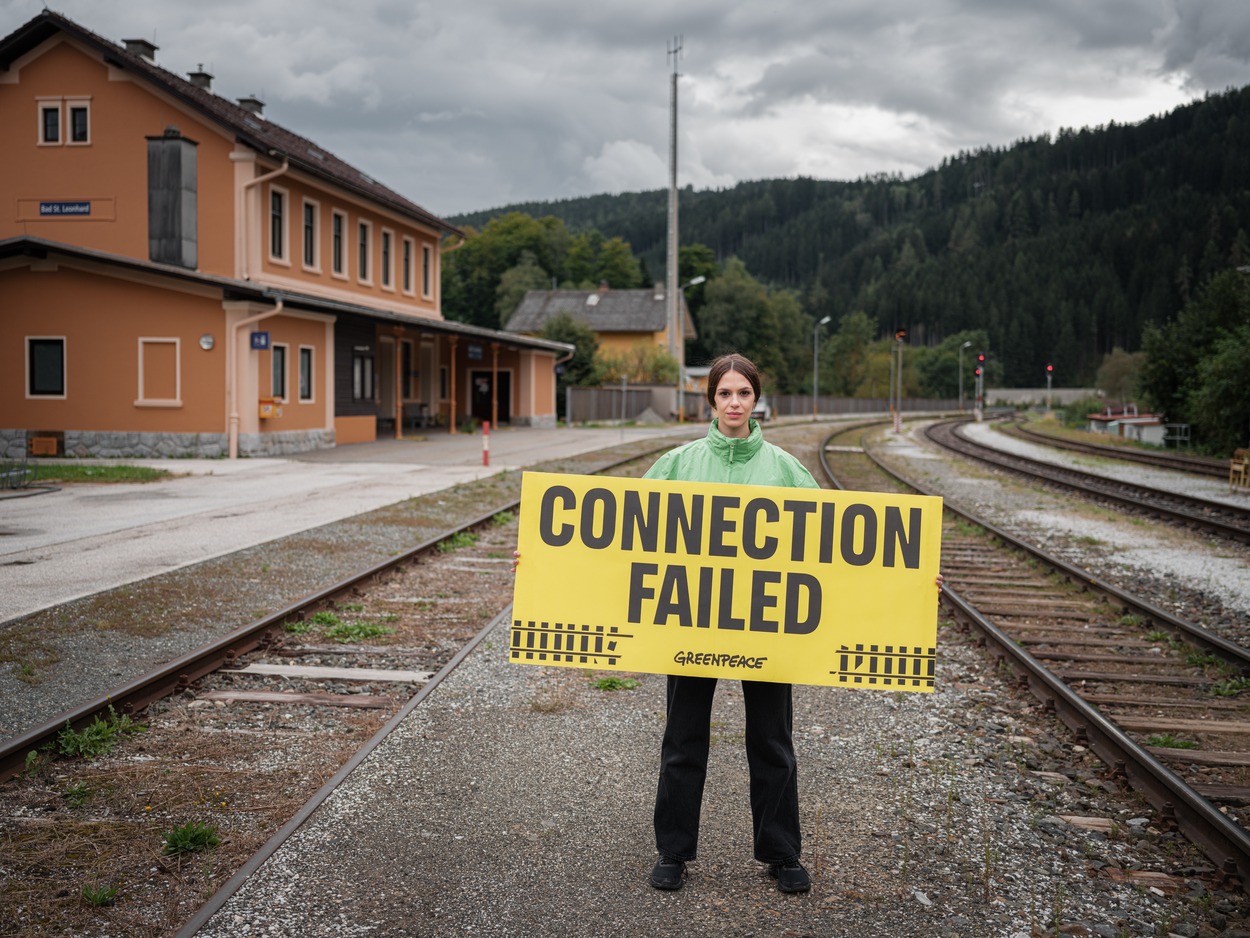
567	643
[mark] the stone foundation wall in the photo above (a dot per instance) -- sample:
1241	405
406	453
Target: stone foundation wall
545	423
103	444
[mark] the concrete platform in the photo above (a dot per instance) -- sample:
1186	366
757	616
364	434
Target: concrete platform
61	545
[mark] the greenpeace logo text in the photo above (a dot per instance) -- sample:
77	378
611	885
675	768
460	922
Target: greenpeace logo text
717	660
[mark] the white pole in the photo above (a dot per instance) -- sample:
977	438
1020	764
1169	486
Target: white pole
676	340
815	359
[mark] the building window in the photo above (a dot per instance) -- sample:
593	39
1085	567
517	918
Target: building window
387	237
362	271
312	212
277	356
277	224
362	376
79	122
427	271
160	372
49	123
45	366
442	383
338	224
306	374
408	259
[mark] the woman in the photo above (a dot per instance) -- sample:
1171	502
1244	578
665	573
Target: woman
733	451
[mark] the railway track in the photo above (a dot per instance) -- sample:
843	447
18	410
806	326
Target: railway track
281	729
245	733
1219	518
1199	465
273	632
1154	696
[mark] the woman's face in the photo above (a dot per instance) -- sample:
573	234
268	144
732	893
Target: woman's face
733	402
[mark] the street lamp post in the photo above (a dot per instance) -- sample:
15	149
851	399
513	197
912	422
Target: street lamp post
961	374
898	397
815	359
681	352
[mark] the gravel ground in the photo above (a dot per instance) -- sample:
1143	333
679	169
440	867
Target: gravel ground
1212	489
516	801
1197	576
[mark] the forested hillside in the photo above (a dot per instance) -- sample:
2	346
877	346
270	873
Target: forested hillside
1058	249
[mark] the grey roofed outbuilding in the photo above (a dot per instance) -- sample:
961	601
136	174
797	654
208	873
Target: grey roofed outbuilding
644	311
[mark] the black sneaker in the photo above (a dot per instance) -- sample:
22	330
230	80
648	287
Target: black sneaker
668	873
791	876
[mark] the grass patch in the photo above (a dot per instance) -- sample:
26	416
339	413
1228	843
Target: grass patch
1230	688
1131	620
100	896
503	517
1168	741
78	795
456	541
76	472
1157	636
614	683
347	633
1203	659
325	618
554	700
189	838
98	737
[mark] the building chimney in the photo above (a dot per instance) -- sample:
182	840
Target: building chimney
142	48
603	286
659	290
201	79
253	104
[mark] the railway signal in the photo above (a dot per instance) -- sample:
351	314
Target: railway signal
980	386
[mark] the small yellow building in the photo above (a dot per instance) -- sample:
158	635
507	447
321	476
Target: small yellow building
622	320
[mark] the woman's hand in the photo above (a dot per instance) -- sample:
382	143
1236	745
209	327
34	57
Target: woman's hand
516	559
939	581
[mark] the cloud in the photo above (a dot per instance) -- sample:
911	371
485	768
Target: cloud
481	103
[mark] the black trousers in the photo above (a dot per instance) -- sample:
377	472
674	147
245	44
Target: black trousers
770	757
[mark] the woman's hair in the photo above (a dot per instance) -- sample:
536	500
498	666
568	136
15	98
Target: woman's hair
732	362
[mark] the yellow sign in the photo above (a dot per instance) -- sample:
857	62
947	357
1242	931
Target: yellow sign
803	586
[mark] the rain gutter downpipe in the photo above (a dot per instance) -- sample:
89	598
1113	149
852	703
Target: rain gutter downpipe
232	373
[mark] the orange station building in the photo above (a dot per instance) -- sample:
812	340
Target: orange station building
181	277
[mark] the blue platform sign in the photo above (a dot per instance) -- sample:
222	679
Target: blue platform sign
260	340
65	208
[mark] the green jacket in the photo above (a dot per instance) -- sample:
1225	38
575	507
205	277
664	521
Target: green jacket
717	458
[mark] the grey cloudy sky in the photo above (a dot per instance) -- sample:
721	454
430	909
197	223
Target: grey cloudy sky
472	104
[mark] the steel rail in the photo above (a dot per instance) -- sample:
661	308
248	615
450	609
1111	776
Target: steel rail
1096	485
1219	838
178	674
1199	465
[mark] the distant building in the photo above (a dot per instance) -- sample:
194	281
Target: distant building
1124	420
182	276
622	320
